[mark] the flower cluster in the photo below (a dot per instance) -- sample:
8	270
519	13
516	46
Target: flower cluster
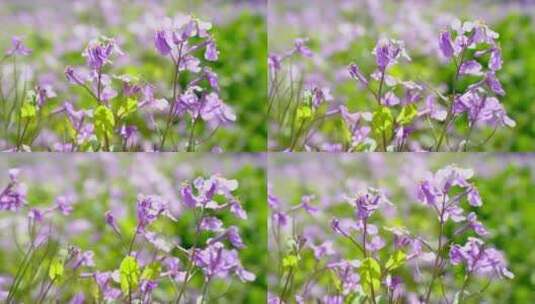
404	109
175	39
151	260
387	262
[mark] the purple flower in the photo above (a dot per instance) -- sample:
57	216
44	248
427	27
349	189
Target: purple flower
302	48
446	44
470	67
98	52
149	208
163	42
476	225
356	74
274	63
214	109
494	114
474	198
212	79
64	204
18	47
279	218
337	228
234	237
210	223
367	203
147	286
387	52
495	61
103	282
320	95
13	197
211	53
36	215
395	285
324	249
187	196
84	259
494	84
215	261
237	210
110	220
273	200
305	204
390	99
345	271
75	77
479	259
332	300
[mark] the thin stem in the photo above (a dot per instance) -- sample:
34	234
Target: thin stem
43	297
205	291
449	115
465	284
366	254
190	261
286	284
175	92
378	97
20	273
436	264
191	143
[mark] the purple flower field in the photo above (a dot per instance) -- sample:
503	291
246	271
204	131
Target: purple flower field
404	228
132	228
267	151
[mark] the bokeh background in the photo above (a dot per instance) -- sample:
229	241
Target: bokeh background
59	30
345	31
506	183
112	181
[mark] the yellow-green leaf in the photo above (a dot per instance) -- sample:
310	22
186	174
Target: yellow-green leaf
56	269
370	275
151	271
127	108
290	261
382	122
129	274
396	260
303	113
28	110
407	114
104	122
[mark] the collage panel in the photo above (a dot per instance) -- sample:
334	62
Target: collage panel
363	76
133	76
401	228
133	228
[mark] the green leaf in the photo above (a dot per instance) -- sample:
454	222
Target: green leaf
56	269
104	122
382	122
28	110
303	113
129	274
151	271
396	260
290	261
407	114
127	108
370	275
